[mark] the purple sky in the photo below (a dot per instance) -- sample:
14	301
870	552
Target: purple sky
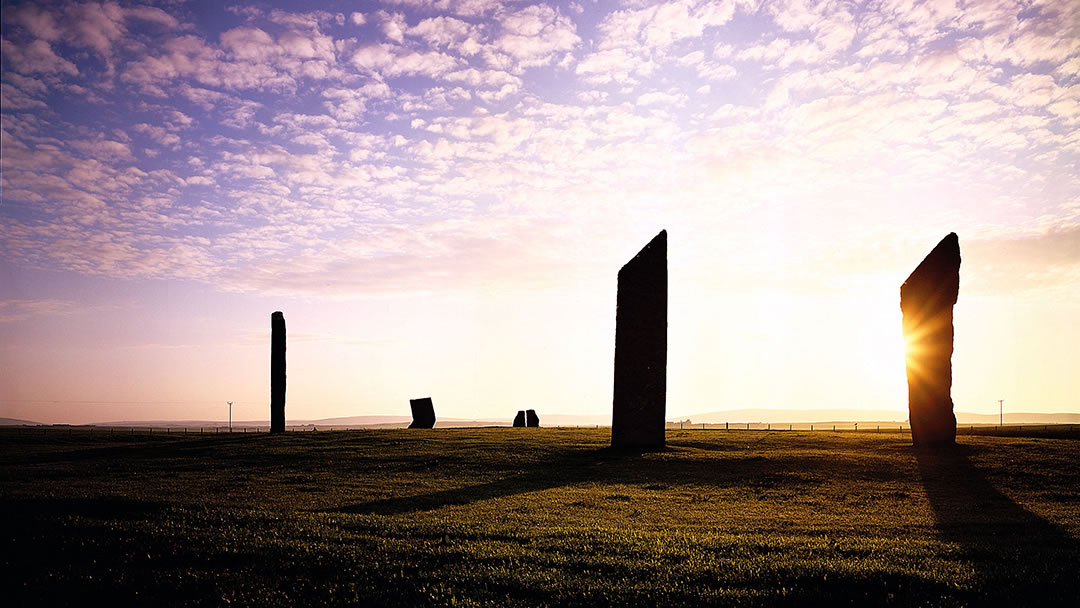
439	195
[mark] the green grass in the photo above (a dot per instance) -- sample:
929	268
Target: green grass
505	517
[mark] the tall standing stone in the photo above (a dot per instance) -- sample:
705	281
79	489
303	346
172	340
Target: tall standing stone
423	413
277	372
637	418
519	420
926	300
531	419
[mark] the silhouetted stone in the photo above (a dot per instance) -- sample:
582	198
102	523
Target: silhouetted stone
423	413
531	419
640	395
519	420
926	300
277	372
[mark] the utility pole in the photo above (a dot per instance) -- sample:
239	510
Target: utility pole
1001	412
230	416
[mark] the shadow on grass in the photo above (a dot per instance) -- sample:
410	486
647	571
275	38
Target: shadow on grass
137	448
97	507
604	465
992	530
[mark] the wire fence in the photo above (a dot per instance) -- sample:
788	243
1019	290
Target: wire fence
838	427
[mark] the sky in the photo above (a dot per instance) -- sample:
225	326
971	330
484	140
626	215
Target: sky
439	194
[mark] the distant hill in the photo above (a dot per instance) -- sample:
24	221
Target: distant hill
17	422
361	422
751	415
1018	418
854	415
787	415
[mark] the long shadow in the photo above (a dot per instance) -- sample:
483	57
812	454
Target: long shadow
194	445
568	470
993	530
607	465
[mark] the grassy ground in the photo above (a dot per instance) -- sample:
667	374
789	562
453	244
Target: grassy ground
508	517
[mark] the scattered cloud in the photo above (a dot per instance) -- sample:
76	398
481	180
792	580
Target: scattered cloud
392	148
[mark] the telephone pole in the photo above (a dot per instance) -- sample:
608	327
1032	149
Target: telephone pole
230	415
1001	412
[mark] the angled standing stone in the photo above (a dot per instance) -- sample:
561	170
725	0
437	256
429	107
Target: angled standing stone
519	420
423	413
531	419
277	372
926	300
637	418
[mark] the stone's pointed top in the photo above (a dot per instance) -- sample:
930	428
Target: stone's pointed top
944	257
660	240
655	249
950	246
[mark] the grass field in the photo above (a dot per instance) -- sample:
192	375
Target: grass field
507	517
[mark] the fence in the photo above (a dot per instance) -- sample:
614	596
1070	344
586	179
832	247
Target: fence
840	427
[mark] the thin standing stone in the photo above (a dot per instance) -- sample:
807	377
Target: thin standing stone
640	392
926	300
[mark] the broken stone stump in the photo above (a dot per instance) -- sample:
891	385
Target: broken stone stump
637	417
531	419
423	413
277	372
519	420
926	300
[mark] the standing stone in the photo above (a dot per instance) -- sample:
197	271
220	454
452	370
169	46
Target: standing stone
637	418
926	300
277	372
423	413
519	420
531	419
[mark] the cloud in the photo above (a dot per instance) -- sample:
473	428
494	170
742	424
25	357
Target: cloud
448	32
37	57
328	139
22	309
1013	263
465	8
535	35
14	98
387	60
660	26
